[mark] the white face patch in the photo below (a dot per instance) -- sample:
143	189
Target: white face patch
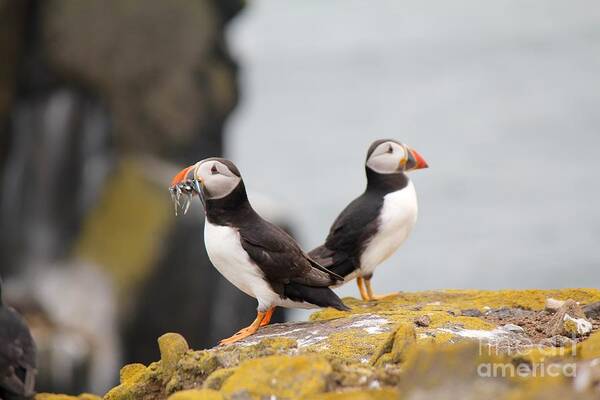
387	158
217	178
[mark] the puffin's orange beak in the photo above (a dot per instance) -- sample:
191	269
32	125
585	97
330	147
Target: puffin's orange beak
420	162
183	185
182	176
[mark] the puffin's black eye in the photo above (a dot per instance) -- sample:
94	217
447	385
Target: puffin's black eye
390	149
214	170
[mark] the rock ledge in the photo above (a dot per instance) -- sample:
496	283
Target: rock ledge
443	344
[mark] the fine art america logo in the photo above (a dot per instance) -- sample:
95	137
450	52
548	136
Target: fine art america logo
522	364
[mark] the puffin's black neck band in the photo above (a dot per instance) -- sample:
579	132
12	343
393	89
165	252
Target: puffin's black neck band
385	183
229	209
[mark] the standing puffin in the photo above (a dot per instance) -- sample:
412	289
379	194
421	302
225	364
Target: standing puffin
17	355
373	226
256	256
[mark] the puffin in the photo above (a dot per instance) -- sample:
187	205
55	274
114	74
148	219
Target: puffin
375	224
17	355
256	256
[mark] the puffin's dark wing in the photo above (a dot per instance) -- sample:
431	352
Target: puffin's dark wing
280	258
323	256
321	268
17	355
348	234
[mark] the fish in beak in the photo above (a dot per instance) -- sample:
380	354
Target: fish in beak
183	187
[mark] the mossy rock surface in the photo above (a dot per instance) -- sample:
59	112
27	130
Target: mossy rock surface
52	396
441	345
278	377
215	380
194	394
590	349
379	394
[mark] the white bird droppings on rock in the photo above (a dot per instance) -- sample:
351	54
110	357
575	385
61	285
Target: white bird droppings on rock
582	326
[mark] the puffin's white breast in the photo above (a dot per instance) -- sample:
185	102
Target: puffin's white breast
231	260
225	251
395	222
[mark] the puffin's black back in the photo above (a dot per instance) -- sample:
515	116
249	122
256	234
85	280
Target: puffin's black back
17	355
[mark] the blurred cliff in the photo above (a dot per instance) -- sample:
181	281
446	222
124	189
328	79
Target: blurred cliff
100	102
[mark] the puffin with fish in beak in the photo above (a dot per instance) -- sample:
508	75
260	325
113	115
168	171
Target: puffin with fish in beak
373	226
256	256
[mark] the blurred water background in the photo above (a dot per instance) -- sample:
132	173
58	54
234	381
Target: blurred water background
501	98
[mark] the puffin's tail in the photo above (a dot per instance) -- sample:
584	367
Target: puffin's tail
319	296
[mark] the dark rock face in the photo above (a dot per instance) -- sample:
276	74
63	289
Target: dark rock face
97	99
53	173
168	79
12	14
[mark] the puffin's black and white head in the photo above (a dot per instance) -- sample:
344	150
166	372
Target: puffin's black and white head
210	179
388	156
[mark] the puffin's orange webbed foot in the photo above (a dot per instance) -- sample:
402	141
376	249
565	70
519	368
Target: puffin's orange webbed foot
375	297
366	291
241	334
248	331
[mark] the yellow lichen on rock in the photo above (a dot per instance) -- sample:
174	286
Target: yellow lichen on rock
394	348
381	394
172	347
52	396
276	344
456	300
266	347
384	348
404	338
351	345
570	327
210	368
356	307
442	318
191	370
590	348
531	299
149	383
196	394
215	380
539	355
131	372
439	337
288	377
